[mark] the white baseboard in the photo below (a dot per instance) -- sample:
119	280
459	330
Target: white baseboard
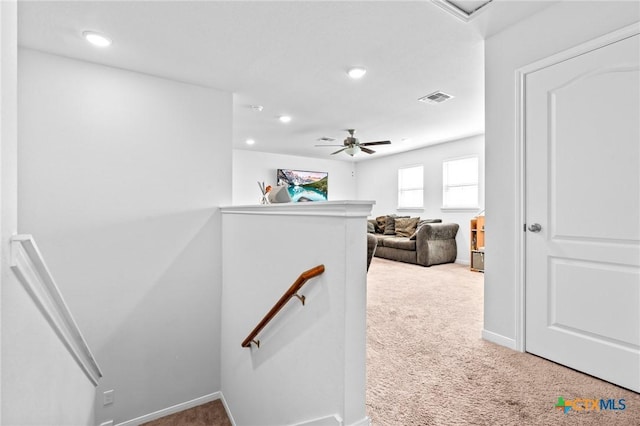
499	339
324	421
362	422
333	420
177	408
463	262
226	408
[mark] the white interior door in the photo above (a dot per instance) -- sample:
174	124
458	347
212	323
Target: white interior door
582	147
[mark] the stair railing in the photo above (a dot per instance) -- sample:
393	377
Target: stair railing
29	266
291	292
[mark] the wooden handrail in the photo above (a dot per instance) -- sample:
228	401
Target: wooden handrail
293	291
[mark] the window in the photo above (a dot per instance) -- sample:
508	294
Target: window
460	183
410	183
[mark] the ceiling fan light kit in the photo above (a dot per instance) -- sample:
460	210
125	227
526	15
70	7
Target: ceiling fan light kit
352	150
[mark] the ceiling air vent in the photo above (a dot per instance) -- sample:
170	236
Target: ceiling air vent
435	98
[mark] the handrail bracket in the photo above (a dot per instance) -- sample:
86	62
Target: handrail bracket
302	298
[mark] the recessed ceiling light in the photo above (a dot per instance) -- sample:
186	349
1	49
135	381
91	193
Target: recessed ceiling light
250	141
357	72
284	118
257	108
97	39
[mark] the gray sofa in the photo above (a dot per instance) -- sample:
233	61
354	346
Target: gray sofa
372	243
434	243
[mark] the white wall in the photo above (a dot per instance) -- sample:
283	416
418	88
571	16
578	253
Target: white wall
378	180
249	167
555	29
120	179
32	392
42	384
311	360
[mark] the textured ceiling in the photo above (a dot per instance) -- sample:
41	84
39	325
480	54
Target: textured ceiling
291	57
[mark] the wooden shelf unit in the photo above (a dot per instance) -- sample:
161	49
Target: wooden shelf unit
477	244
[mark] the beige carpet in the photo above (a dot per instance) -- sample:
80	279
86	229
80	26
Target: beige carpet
427	365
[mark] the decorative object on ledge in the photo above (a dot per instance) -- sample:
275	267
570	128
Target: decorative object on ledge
28	265
291	292
279	194
264	190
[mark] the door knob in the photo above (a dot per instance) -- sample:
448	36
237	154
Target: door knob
535	227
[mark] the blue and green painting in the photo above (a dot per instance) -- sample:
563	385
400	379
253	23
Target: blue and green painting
304	185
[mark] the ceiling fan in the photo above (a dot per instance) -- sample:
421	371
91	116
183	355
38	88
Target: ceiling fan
352	145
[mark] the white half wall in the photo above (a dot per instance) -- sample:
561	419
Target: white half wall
249	167
120	179
377	179
311	359
553	30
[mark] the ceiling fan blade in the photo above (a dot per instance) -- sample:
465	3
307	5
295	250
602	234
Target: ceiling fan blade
367	150
376	143
328	145
340	150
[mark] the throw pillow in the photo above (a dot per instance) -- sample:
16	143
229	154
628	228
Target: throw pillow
381	220
370	228
390	226
405	227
